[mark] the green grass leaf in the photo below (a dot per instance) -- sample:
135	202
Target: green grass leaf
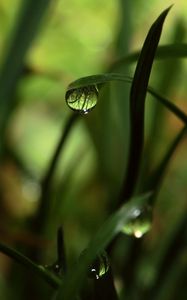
98	79
163	52
101	79
74	281
137	105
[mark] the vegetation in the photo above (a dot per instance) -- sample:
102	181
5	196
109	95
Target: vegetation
92	189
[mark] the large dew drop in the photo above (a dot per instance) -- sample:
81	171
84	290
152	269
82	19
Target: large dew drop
140	222
99	267
82	99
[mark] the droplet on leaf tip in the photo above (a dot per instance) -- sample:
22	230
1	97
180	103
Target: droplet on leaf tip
140	222
55	268
83	99
100	266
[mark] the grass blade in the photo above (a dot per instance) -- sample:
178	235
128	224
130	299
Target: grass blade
137	105
157	175
40	219
72	284
98	79
51	279
177	50
167	78
169	105
101	79
31	13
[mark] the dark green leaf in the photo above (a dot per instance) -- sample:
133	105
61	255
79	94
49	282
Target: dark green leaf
137	105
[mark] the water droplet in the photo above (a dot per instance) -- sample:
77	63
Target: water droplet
140	222
82	99
55	268
100	266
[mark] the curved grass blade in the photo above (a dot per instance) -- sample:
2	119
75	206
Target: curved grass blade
101	79
168	73
72	284
163	52
98	79
137	105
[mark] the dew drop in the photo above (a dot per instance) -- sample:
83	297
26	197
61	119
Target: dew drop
140	222
83	99
55	268
99	267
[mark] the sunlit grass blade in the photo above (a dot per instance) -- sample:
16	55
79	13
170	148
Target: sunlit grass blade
25	29
163	52
137	105
101	79
72	284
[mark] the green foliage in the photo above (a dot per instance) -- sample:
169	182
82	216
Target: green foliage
102	195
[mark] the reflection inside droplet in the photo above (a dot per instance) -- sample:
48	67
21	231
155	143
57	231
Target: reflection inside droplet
140	222
100	266
83	99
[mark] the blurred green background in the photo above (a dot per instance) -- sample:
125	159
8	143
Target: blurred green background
79	38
